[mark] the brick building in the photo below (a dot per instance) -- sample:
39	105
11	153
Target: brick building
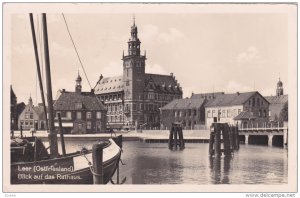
32	117
134	98
190	112
81	112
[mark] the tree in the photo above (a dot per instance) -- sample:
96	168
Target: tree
283	116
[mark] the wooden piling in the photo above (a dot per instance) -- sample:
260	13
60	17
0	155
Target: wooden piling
170	143
175	137
98	162
62	139
21	131
211	141
181	140
217	143
226	140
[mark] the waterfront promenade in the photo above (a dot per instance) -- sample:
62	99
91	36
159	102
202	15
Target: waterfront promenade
145	135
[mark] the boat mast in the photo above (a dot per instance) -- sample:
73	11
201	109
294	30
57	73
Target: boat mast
52	133
38	66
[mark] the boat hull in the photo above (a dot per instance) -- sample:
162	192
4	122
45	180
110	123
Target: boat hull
71	169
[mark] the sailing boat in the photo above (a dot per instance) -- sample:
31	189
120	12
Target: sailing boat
32	164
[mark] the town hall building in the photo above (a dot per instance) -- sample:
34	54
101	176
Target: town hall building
134	98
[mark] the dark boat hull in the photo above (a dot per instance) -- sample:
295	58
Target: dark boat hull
72	169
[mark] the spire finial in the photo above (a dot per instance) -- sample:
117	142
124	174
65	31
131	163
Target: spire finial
133	20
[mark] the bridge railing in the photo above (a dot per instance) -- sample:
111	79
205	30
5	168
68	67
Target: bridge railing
262	126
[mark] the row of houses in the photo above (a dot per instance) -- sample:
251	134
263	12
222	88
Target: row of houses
248	109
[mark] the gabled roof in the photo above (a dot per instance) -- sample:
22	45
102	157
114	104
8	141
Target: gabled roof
245	115
277	99
186	103
163	83
67	101
230	99
207	95
109	85
40	112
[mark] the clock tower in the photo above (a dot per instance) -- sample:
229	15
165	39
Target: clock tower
133	75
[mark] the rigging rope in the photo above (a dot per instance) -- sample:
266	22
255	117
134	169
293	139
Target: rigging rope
79	57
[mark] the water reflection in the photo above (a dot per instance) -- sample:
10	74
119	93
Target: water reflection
219	176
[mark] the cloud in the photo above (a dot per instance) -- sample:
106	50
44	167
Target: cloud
251	54
171	35
155	69
114	68
234	86
151	32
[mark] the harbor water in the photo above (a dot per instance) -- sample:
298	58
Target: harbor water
154	163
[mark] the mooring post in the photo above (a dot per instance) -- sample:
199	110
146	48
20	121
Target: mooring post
61	132
21	131
217	139
211	141
171	137
175	136
98	162
237	140
226	141
12	133
181	141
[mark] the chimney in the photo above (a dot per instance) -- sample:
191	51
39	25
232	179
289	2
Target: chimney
63	90
101	77
92	90
238	93
171	74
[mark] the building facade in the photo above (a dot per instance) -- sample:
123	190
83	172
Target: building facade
227	108
134	98
189	112
13	110
32	117
81	112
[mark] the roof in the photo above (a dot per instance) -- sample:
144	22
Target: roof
67	101
245	115
206	95
40	112
109	85
163	83
277	99
230	99
186	103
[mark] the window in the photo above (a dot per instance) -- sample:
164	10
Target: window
249	102
195	112
127	82
78	115
68	114
269	113
98	115
133	107
214	113
239	111
190	112
223	113
88	125
253	102
234	112
258	102
141	107
228	113
259	113
265	113
88	115
208	114
180	114
79	126
175	114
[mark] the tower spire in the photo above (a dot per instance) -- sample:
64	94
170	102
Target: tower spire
133	20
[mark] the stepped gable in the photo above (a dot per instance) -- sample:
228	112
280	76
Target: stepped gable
109	85
230	99
163	83
186	103
67	101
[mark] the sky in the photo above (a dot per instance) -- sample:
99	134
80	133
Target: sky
207	52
